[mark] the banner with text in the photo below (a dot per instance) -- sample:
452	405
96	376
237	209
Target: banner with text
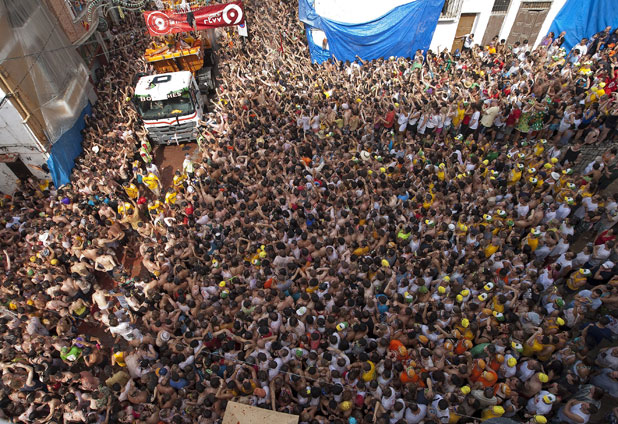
163	22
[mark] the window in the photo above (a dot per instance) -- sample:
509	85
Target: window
451	9
501	6
77	7
170	108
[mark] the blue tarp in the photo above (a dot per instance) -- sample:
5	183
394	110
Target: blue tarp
64	151
318	54
584	18
398	33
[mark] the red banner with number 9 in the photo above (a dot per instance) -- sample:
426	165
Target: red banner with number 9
169	22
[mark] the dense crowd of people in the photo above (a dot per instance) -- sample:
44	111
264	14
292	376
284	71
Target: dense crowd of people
387	241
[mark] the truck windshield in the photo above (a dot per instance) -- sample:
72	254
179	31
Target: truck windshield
168	108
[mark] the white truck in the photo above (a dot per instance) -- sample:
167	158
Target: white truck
170	105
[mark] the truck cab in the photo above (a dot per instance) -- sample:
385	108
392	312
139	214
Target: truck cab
171	102
170	105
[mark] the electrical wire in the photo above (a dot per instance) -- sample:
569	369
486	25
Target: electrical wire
69	46
14	90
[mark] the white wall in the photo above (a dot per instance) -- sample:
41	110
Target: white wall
356	11
444	35
8	180
16	137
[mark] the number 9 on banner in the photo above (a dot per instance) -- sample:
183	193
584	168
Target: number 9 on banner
158	23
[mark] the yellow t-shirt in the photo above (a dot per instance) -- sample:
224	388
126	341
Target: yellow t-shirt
371	374
459	116
490	250
131	191
533	243
151	180
531	350
156	207
119	357
515	176
170	197
178	179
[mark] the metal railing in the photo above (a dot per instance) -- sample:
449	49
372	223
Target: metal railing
451	9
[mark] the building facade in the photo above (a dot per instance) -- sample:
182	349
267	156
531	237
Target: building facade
511	20
44	87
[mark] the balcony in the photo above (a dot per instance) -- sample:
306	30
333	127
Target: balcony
451	9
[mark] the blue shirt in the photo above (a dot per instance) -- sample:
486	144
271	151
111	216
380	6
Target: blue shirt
182	383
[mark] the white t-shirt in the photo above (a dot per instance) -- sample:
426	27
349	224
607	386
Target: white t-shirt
415	418
474	120
537	406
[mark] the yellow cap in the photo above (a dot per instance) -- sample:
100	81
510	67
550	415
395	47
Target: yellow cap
459	298
446	278
560	321
441	290
382	169
511	362
465	323
498	410
540	419
385	263
370	172
543	378
482	297
465	292
222	284
486	162
54	261
465	390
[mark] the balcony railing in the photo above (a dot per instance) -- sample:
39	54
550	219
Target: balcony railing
451	9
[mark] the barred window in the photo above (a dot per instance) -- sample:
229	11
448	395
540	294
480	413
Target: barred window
501	5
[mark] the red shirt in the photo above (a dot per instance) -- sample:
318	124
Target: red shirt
603	238
390	119
513	117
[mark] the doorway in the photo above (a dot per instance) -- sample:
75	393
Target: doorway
464	27
17	167
528	21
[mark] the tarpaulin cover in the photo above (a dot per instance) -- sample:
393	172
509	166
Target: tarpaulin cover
64	151
400	32
584	18
318	54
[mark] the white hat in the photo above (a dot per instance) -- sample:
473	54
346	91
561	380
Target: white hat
365	155
608	264
555	176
